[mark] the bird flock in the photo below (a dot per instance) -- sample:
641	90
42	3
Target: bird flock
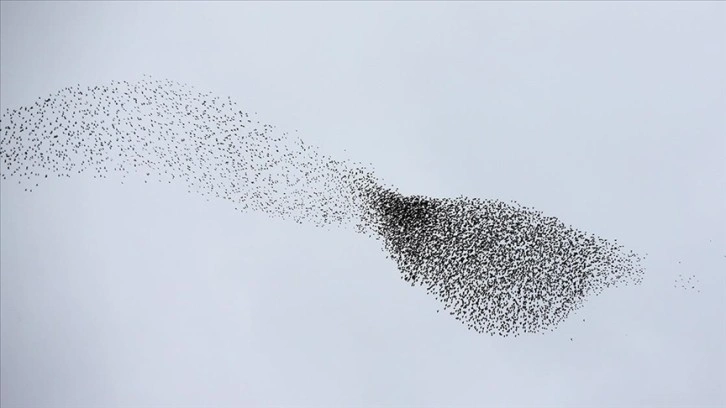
500	268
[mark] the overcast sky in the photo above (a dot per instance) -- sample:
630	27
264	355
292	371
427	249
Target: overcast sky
607	115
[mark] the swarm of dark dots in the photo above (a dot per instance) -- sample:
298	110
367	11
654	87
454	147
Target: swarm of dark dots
500	268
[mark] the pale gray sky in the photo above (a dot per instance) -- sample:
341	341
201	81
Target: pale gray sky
607	115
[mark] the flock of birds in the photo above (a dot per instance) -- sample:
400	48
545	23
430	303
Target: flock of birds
500	268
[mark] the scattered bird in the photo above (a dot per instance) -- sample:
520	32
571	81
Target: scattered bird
690	282
500	268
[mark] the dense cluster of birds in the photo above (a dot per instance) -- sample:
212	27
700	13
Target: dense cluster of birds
501	268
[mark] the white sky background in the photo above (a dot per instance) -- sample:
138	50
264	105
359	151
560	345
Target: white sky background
609	116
